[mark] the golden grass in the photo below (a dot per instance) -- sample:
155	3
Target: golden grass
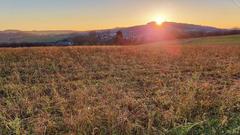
120	90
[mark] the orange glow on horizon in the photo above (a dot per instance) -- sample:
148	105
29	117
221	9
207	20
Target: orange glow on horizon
80	15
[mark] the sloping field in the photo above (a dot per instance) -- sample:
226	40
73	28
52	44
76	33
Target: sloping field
149	89
218	40
214	40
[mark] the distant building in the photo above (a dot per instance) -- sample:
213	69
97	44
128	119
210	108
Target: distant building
64	43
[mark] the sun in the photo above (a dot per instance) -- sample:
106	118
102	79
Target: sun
160	19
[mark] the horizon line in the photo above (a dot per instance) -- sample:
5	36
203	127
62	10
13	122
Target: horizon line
72	30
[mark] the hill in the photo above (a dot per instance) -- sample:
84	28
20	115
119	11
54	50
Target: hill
141	34
15	36
213	40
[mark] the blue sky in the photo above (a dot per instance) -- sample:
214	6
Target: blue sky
98	14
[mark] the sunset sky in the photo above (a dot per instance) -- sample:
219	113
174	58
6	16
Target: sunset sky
99	14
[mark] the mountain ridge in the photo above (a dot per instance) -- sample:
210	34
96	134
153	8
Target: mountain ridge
148	32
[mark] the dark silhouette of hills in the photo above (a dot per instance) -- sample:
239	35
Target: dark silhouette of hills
150	32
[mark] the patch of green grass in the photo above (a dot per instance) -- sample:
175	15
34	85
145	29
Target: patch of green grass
215	40
218	40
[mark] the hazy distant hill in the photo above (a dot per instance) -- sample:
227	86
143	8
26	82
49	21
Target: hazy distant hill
141	33
153	32
16	36
168	30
